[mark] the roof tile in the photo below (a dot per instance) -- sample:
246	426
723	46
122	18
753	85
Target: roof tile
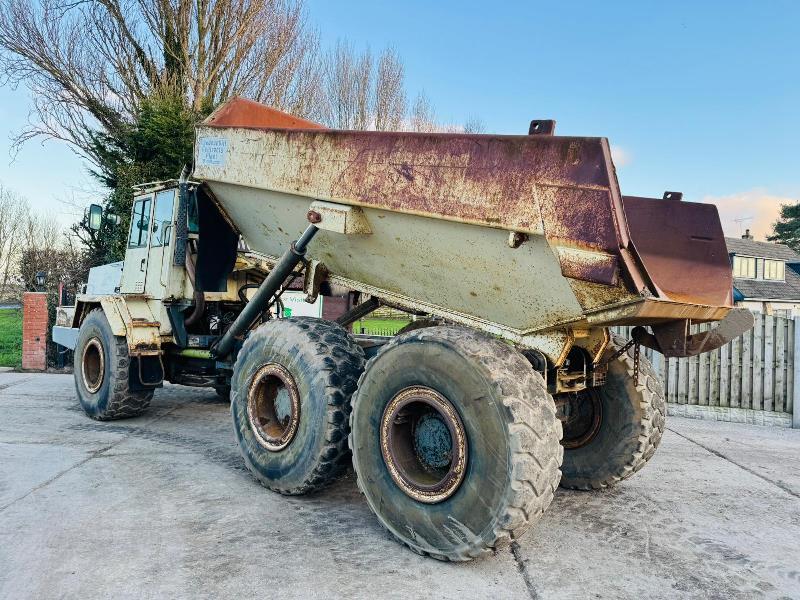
762	249
771	290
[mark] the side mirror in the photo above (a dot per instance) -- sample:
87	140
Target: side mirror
94	217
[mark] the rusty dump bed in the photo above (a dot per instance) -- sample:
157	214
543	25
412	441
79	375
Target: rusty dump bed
526	233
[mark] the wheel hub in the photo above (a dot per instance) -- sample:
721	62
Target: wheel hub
273	407
432	441
581	414
93	365
424	444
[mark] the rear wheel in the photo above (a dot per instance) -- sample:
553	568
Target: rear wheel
101	372
611	431
292	384
455	442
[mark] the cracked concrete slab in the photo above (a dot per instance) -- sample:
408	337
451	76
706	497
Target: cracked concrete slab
162	506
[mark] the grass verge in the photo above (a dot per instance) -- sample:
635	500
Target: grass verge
10	338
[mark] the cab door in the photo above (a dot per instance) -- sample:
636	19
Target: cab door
161	240
134	271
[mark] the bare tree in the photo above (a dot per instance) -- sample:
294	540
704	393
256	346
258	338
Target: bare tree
474	124
89	63
13	209
23	232
423	119
390	94
358	94
40	231
423	116
347	81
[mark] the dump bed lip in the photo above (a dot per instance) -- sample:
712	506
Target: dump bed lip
419	134
654	310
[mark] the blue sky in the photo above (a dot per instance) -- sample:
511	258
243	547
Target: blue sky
698	97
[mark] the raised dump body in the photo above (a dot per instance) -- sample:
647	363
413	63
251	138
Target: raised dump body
525	236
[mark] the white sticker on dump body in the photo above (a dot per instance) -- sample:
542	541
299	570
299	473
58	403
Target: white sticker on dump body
212	151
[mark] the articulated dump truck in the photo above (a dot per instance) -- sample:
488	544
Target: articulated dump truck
513	256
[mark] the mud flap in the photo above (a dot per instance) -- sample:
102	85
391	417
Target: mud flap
145	373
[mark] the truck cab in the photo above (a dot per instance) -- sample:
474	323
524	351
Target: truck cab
154	300
151	240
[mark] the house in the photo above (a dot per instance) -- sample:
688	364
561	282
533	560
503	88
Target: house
766	276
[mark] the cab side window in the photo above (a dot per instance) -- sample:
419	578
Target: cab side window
162	218
140	223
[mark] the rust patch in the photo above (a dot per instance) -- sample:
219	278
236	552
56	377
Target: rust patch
672	339
594	295
274	425
683	249
594	267
240	112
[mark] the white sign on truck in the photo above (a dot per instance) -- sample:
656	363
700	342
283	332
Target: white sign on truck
295	305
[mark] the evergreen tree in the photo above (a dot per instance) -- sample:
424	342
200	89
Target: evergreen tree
154	147
787	229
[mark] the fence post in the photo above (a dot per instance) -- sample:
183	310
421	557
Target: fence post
796	378
34	331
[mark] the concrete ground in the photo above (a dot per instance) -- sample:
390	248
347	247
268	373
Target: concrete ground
161	506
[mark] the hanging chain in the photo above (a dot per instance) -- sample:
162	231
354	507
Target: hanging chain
622	351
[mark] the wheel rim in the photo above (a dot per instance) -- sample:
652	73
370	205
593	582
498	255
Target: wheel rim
93	365
581	414
273	407
424	444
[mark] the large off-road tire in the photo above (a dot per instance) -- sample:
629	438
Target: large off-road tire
101	372
290	402
455	442
616	427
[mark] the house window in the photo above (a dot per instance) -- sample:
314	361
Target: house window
744	266
773	269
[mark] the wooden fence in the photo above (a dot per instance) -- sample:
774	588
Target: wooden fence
754	371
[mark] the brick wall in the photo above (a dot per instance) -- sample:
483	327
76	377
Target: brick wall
34	331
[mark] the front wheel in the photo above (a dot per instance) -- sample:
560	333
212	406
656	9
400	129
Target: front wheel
101	372
455	442
611	431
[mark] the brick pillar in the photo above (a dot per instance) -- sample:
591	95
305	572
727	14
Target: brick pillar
34	331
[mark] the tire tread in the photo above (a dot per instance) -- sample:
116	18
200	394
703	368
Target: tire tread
535	460
123	402
652	422
341	362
